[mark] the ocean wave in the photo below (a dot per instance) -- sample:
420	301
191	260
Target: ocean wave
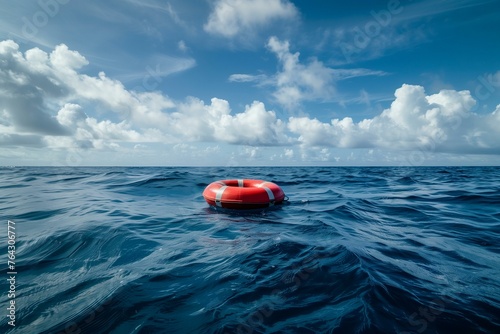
361	250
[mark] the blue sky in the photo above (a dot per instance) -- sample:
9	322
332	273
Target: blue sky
249	82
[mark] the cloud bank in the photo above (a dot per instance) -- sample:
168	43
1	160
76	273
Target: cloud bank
46	101
441	122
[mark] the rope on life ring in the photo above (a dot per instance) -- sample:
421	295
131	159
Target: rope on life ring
243	194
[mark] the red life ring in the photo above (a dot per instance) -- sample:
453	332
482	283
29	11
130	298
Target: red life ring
243	194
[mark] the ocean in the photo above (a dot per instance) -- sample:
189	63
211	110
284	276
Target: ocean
354	250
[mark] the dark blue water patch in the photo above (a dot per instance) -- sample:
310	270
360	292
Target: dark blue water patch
13	185
39	215
67	179
366	250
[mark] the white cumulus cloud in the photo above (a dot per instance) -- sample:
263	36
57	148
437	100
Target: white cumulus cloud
214	122
296	81
41	95
230	18
441	122
44	98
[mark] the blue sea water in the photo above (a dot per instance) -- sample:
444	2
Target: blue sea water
355	250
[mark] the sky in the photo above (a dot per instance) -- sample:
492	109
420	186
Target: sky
249	82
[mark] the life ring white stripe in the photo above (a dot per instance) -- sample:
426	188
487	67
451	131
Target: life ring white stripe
269	193
240	183
218	196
